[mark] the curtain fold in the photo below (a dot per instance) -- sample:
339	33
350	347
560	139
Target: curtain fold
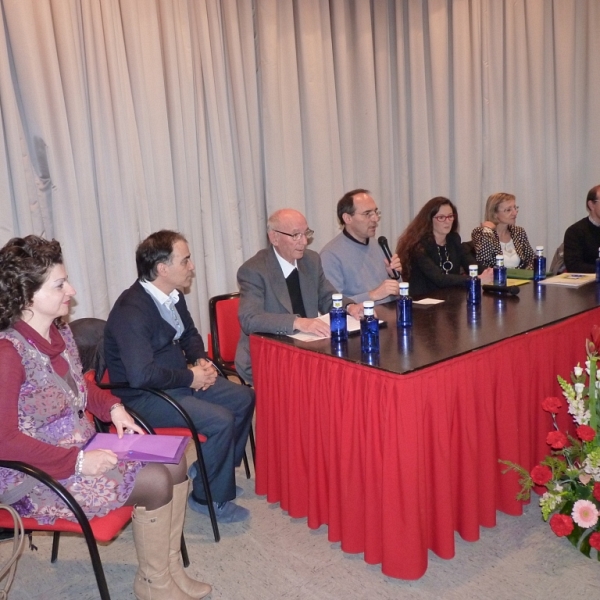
122	117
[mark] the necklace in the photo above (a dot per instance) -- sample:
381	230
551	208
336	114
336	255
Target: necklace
445	265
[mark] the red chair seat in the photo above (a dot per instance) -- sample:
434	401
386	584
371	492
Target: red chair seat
104	528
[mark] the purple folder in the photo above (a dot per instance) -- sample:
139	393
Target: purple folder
147	448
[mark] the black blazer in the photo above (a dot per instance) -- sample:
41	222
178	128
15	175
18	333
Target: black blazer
426	274
139	347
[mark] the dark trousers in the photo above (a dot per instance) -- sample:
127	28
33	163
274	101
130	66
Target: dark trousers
223	413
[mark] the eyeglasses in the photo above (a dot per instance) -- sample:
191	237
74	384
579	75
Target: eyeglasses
296	236
442	218
375	212
506	211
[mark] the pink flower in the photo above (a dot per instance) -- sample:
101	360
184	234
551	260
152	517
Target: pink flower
562	525
585	513
595	541
586	433
541	474
551	404
584	478
557	440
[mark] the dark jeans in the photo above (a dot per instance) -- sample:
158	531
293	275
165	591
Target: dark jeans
223	413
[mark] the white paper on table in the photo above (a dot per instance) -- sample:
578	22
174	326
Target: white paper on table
428	301
353	325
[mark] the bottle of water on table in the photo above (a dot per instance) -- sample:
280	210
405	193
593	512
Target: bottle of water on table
499	271
369	329
539	264
474	295
338	320
404	307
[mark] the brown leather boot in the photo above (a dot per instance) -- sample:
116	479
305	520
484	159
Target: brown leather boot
153	580
196	589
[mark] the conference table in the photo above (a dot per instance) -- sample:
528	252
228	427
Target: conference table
394	453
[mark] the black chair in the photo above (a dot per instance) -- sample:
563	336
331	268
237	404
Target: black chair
89	337
102	529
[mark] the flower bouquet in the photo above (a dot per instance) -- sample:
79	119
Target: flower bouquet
571	472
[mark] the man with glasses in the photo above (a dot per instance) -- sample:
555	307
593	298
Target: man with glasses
283	287
353	261
582	239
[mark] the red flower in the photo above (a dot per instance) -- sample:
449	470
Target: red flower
551	404
596	491
541	474
562	525
557	440
595	341
595	541
586	433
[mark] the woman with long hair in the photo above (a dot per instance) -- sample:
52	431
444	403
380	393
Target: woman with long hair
431	251
43	400
499	234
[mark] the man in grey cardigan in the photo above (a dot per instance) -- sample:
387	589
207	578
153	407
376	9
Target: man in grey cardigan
283	287
353	261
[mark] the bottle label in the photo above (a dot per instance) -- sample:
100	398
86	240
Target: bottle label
337	304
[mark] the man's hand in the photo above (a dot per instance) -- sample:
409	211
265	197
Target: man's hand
96	462
204	375
315	326
389	287
355	310
393	264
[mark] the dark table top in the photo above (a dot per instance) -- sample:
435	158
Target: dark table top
452	328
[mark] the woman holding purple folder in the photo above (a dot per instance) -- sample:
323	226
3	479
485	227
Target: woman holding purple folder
43	399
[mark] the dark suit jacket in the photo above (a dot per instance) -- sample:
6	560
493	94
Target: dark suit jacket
139	347
265	304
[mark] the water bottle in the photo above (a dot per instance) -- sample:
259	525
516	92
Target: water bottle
598	266
539	265
499	271
404	307
369	329
339	348
474	295
337	320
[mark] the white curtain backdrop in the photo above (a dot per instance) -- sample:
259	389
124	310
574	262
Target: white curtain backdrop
122	117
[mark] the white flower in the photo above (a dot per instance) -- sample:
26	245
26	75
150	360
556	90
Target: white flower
578	371
579	387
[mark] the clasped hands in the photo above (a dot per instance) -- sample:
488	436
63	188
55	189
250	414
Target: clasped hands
205	375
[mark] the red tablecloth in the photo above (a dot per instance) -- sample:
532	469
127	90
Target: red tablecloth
395	464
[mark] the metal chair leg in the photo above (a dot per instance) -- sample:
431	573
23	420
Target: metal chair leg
246	465
184	553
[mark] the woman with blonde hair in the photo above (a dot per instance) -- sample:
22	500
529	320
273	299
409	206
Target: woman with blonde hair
499	234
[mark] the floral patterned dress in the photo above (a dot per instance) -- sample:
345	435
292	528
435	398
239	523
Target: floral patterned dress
51	410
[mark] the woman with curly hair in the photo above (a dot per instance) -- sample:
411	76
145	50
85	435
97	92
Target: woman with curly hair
499	234
431	252
43	399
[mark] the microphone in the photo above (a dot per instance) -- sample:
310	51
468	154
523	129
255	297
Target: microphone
382	241
503	290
